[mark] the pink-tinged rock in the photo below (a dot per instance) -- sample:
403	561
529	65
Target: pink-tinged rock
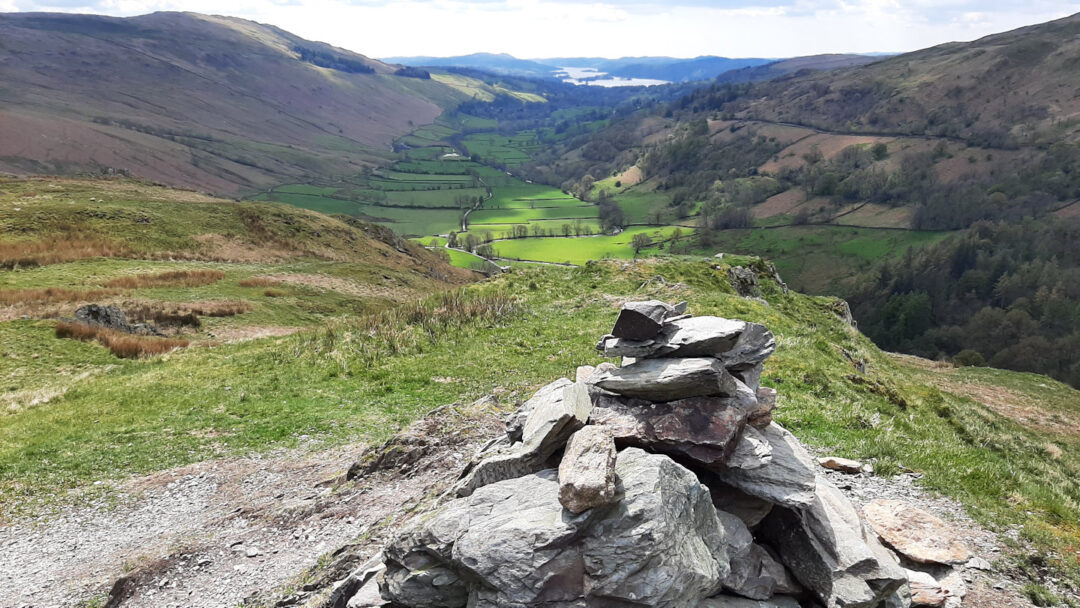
761	415
925	590
704	429
587	470
844	465
916	534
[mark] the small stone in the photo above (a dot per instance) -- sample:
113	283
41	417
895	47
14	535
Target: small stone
640	320
916	534
978	563
583	372
761	416
252	552
925	590
587	470
844	465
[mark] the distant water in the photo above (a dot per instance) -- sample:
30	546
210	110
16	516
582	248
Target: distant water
593	77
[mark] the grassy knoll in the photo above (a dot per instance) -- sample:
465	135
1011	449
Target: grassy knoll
360	378
579	250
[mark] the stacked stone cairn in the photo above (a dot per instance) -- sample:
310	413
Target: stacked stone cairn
661	482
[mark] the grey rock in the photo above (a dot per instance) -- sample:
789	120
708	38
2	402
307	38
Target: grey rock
738	540
832	552
555	412
750	376
680	308
752	451
583	372
557	416
507	462
978	563
703	429
112	317
744	281
511	543
515	422
730	601
756	343
685	337
640	320
670	379
587	470
788	478
761	416
750	509
762	576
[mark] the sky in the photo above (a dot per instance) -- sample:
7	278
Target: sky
564	28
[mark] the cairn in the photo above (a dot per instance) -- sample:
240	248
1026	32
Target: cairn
660	482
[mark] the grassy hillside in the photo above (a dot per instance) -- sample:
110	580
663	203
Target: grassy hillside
1004	444
250	105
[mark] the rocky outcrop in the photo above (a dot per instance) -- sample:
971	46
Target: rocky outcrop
112	317
663	482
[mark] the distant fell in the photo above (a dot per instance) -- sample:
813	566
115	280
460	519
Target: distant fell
216	103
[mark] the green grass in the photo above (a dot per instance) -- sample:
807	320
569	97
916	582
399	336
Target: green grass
340	384
639	204
579	250
526	196
521	216
822	258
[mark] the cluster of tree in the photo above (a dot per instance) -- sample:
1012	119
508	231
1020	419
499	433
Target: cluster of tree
413	72
1003	294
328	59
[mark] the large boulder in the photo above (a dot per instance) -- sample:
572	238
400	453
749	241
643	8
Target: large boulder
641	320
832	552
587	470
916	534
703	429
511	543
669	379
786	479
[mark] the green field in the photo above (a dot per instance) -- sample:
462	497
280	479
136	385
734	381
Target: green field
510	151
521	216
581	250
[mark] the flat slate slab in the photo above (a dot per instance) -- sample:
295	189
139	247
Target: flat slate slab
669	379
918	535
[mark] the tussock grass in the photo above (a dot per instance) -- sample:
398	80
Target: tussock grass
125	346
404	329
55	250
171	278
53	295
184	314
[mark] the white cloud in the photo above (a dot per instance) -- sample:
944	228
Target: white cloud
539	28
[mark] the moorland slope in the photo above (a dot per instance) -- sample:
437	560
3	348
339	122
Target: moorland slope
216	103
